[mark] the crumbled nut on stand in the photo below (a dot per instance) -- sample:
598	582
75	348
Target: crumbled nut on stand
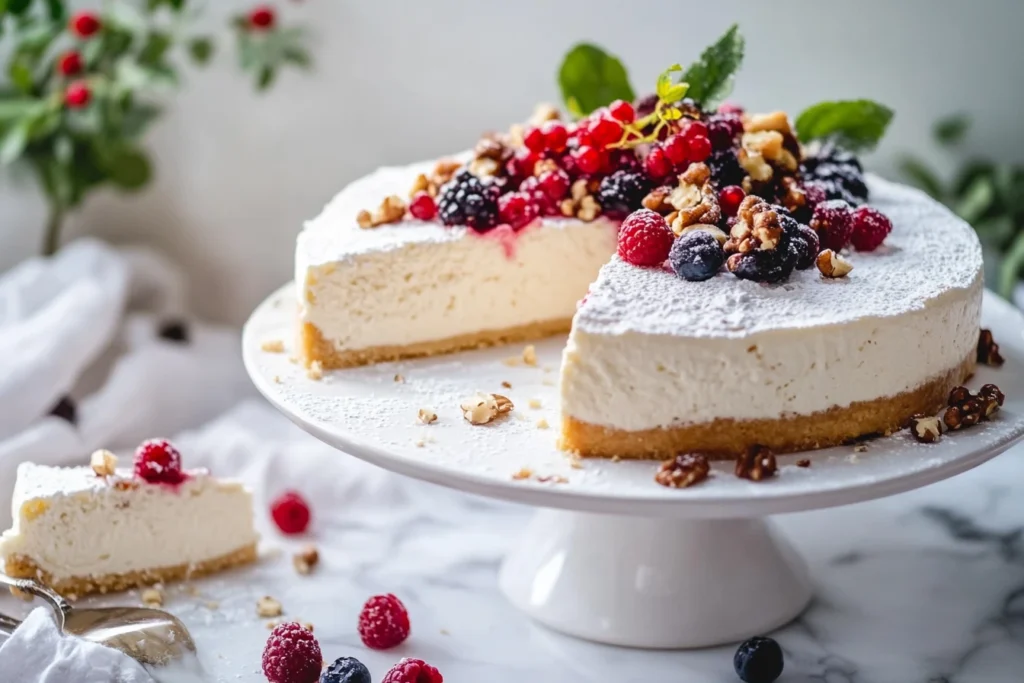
803	463
268	607
103	463
966	409
306	559
426	416
581	202
988	350
757	464
757	227
482	408
832	265
153	597
925	428
683	471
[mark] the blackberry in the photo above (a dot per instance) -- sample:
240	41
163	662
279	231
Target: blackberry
803	242
346	670
829	152
470	201
758	660
771	266
696	256
838	171
725	168
622	192
624	160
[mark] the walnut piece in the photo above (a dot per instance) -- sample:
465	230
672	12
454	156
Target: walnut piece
832	265
542	113
988	349
685	470
306	559
581	203
694	199
657	200
713	230
773	121
757	464
757	227
925	428
482	408
391	210
103	463
267	607
426	416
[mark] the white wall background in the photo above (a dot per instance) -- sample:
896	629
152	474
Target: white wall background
400	80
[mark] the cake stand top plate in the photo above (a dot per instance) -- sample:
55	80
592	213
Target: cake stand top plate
371	413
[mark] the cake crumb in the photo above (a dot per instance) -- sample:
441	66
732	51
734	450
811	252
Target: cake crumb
272	346
399	379
315	371
426	416
542	424
103	463
306	559
512	361
575	462
524	473
535	403
212	605
803	463
549	368
277	379
852	457
860	448
552	479
192	590
530	354
548	382
616	458
506	385
153	597
420	443
268	607
445	632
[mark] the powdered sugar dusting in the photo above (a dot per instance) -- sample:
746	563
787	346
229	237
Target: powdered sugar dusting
929	253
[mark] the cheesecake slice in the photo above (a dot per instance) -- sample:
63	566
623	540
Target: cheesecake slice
79	532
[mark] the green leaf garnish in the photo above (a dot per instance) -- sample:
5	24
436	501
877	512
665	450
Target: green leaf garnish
711	77
591	78
200	49
1013	263
951	130
855	124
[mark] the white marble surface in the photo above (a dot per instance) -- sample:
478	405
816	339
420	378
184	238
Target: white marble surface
922	587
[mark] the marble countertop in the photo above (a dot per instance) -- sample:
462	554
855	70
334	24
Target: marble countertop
922	587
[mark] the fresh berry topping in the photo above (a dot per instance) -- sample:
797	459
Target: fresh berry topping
657	164
772	265
84	24
725	168
676	149
870	228
805	245
814	194
837	170
622	111
644	239
423	207
623	160
622	192
758	660
69	64
605	131
723	129
522	163
729	199
413	671
645	106
292	655
555	136
694	129
470	201
534	140
77	95
158	461
832	220
346	670
517	209
700	148
290	512
554	183
730	108
261	17
383	623
696	255
588	159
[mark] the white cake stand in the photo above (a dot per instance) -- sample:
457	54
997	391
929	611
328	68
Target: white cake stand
613	557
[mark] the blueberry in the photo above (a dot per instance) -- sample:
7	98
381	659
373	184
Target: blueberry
758	660
696	256
346	670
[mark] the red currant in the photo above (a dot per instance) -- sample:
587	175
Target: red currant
676	149
657	164
290	512
84	24
516	209
522	163
729	199
534	140
261	17
588	159
622	111
69	64
423	207
554	183
730	108
694	129
700	148
555	136
77	95
606	131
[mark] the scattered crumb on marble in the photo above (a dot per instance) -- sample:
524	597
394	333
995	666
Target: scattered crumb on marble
315	371
616	458
399	379
553	479
530	354
860	448
542	424
445	632
803	463
268	607
534	403
426	416
212	604
272	346
524	473
512	361
306	559
277	379
192	590
153	597
506	384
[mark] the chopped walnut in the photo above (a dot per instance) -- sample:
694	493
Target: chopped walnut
685	470
443	171
306	559
103	463
988	349
484	168
713	230
482	408
542	113
756	464
774	121
695	174
793	196
506	384
522	474
153	597
364	219
544	165
581	203
534	403
422	184
399	379
391	210
426	416
925	428
757	227
542	424
832	265
491	147
657	200
267	607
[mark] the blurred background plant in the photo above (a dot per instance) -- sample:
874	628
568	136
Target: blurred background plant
986	194
80	90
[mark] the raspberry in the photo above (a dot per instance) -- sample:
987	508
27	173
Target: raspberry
517	209
290	512
657	164
412	671
555	136
555	184
588	159
69	64
676	149
261	17
729	199
696	256
346	670
700	148
158	461
383	623
470	201
423	207
832	220
77	95
622	111
84	24
292	655
870	228
644	239
814	193
605	131
622	192
534	140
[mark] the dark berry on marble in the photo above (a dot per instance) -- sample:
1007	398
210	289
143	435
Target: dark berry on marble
66	410
758	660
174	330
346	670
696	256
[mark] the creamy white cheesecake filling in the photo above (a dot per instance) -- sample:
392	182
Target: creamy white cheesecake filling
72	523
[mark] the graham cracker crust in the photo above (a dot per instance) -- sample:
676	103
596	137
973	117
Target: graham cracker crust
314	347
724	438
21	567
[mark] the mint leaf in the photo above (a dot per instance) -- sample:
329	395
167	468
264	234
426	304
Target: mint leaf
591	78
855	124
200	49
711	77
951	130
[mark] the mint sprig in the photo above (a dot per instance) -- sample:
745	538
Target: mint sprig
854	124
590	78
711	77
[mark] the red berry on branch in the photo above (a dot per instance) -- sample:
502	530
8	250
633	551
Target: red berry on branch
693	129
84	24
423	207
606	131
554	183
77	95
729	199
534	140
588	159
555	136
262	17
622	111
700	148
69	64
657	164
676	149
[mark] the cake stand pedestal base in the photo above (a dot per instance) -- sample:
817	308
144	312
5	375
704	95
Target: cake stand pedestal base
655	583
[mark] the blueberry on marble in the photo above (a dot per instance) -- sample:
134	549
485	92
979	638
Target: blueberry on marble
758	660
696	256
346	670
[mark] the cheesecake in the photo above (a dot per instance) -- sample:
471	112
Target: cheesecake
80	532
